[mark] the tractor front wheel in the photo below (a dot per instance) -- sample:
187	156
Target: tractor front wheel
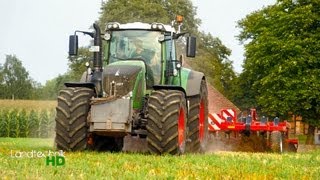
167	118
71	118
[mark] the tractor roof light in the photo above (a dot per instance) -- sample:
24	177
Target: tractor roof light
157	26
179	19
112	25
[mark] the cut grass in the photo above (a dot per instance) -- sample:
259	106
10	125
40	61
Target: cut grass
95	165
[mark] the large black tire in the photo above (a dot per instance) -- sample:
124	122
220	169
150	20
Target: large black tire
167	119
198	120
71	118
276	142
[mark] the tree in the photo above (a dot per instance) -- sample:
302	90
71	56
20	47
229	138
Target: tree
282	58
2	85
149	11
243	93
50	90
77	64
212	59
124	11
14	79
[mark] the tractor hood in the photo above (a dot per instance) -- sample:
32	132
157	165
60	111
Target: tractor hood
124	79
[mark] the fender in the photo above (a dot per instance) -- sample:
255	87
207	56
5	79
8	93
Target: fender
194	83
81	84
170	87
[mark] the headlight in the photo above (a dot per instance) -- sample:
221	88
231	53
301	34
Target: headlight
157	26
160	26
115	26
153	26
112	25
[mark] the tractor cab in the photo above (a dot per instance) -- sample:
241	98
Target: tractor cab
154	44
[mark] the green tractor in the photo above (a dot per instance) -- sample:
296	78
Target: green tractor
135	86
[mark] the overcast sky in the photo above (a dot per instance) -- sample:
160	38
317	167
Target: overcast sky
37	31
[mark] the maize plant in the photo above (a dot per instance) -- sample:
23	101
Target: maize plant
22	123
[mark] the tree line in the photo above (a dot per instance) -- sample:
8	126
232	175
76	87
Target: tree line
15	82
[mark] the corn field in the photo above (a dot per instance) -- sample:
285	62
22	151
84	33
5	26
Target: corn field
27	118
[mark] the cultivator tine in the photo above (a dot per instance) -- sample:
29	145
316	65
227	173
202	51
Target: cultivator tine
263	120
248	120
276	121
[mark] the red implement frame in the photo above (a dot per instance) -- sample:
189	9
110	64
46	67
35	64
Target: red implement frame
254	126
219	122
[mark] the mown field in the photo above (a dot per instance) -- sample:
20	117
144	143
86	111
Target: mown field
104	165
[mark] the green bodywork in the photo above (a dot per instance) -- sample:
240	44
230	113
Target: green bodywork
167	53
139	87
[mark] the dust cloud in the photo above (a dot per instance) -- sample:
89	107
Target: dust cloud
216	142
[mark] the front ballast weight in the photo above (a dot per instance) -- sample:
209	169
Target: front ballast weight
110	116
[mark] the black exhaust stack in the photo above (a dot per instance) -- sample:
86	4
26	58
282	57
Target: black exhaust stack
97	56
97	61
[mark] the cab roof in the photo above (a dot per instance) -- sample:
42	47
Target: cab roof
139	25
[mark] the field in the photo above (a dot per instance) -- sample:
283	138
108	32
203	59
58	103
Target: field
97	165
35	119
27	105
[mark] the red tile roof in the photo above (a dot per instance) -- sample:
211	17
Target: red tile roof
218	101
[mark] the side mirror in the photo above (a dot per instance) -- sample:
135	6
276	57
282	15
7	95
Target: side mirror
73	45
191	46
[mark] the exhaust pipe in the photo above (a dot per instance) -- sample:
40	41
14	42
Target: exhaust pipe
97	61
97	56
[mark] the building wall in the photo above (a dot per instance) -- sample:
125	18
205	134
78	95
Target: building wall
298	126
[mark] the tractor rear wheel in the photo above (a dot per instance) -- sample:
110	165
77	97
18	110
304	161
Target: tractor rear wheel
198	120
71	118
167	118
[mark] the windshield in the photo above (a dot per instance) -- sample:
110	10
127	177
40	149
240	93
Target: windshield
130	43
138	45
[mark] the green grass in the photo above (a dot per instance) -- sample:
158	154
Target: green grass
94	165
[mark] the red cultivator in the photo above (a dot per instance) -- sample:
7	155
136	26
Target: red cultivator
275	132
